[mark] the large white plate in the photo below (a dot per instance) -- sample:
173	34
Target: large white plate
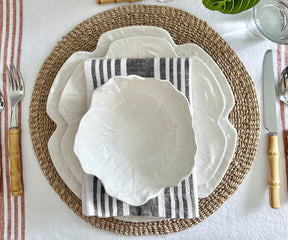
104	42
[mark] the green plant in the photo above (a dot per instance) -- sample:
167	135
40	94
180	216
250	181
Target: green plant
229	6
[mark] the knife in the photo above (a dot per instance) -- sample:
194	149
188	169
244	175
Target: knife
270	122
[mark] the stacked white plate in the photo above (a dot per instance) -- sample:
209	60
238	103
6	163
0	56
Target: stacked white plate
211	94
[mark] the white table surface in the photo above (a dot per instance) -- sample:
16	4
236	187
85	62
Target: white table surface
246	215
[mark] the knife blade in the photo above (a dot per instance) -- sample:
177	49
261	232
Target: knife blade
270	123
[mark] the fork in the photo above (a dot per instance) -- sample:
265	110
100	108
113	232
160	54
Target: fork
16	94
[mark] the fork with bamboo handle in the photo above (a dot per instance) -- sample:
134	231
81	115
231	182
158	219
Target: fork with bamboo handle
16	93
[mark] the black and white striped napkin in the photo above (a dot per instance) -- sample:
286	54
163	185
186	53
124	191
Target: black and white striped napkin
173	202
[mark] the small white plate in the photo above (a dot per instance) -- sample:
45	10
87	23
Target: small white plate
137	138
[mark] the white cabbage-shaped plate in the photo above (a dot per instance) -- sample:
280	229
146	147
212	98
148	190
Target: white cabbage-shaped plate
137	138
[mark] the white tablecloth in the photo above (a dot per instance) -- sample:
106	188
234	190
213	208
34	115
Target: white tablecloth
246	215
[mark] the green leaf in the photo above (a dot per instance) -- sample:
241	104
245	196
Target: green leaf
229	6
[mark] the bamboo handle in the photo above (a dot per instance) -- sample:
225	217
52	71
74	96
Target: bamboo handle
115	1
15	167
274	180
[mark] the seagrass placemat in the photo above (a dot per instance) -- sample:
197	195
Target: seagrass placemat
184	28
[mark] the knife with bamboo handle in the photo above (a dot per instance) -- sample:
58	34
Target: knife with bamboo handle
270	123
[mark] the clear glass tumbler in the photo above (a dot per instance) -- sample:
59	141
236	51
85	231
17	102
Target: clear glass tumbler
271	19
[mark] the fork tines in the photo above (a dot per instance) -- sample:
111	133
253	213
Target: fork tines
14	77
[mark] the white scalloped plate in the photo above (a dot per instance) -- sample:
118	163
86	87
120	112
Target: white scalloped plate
104	41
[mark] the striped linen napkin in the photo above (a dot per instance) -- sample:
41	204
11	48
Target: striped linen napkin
173	202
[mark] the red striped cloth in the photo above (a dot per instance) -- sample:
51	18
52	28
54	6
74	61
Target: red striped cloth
282	62
12	210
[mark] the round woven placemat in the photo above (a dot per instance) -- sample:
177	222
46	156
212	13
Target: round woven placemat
184	28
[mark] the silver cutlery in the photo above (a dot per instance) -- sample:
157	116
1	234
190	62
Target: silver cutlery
270	122
16	94
283	86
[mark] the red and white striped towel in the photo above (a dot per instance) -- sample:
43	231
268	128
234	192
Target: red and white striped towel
12	210
282	62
